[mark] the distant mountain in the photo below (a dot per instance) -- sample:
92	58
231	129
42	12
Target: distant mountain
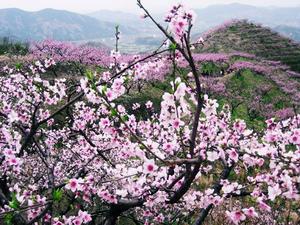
291	32
269	16
53	24
283	19
100	25
143	35
116	17
138	25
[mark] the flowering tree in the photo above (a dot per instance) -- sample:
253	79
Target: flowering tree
72	155
68	52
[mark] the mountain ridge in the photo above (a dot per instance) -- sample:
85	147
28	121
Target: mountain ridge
100	25
52	23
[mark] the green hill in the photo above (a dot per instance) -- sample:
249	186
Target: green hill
244	36
258	75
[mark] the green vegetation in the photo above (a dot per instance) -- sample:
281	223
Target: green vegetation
8	46
210	68
244	36
251	94
150	92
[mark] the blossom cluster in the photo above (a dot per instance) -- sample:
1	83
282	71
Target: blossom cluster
110	156
240	65
74	154
180	19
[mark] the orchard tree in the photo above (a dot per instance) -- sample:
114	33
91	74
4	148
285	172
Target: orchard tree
72	154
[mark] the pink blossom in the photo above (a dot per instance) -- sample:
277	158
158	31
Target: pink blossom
104	122
110	95
13	116
233	155
274	191
72	184
295	138
236	216
264	206
177	123
85	217
149	104
212	156
149	167
250	212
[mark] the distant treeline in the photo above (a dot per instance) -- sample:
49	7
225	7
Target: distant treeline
10	46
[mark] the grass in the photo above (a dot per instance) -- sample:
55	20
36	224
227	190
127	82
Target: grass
150	92
246	85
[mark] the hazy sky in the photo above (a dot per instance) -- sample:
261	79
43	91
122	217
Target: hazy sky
129	5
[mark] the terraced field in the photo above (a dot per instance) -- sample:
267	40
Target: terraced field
252	38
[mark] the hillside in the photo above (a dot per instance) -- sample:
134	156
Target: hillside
52	24
244	36
260	73
239	67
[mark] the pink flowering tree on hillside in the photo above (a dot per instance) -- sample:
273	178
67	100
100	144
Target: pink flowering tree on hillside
70	154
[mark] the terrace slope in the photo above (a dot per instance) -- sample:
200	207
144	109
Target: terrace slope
244	36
